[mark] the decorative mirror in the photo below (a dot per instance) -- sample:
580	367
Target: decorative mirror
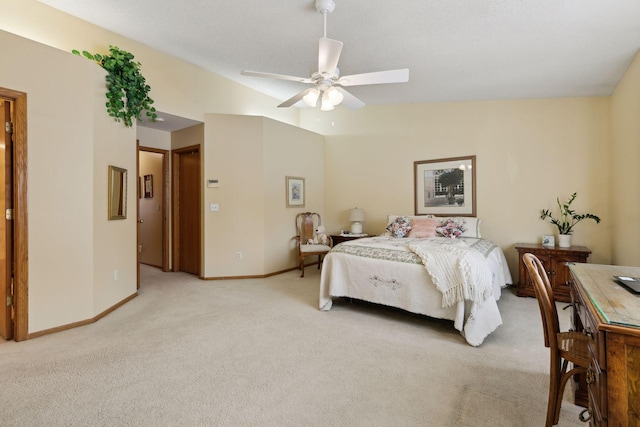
117	193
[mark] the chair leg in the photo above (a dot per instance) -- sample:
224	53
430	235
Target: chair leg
563	383
554	383
302	267
319	261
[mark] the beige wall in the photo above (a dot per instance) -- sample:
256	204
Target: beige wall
114	242
71	142
528	153
625	173
251	156
289	151
153	138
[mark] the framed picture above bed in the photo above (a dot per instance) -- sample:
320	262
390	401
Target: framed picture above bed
295	192
445	186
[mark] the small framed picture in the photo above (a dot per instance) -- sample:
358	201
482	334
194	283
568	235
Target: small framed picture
148	186
548	241
295	192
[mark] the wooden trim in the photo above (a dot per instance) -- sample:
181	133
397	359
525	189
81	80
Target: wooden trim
138	189
83	322
175	214
20	232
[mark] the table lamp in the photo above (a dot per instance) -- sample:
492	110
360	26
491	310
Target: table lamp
356	216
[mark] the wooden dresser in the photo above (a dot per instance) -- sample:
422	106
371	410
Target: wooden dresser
610	315
554	260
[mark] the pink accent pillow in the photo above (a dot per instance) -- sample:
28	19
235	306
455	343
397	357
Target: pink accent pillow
423	227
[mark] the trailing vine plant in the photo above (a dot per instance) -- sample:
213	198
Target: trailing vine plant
127	90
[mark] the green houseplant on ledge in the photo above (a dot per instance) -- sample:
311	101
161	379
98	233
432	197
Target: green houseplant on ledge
567	220
127	90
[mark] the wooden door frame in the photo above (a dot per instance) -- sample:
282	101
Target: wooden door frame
20	227
166	193
175	201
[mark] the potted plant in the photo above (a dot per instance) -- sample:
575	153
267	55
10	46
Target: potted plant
127	90
567	220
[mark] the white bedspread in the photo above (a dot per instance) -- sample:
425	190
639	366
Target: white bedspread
457	270
384	270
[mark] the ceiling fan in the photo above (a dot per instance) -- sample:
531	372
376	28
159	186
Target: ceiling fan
327	90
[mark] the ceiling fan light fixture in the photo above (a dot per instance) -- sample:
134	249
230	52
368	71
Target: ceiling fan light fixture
326	104
334	95
311	98
328	88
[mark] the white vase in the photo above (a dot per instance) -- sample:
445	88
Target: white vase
564	240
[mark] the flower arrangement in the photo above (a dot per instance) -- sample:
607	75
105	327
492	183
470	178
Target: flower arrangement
568	217
451	228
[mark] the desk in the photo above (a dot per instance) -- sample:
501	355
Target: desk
610	315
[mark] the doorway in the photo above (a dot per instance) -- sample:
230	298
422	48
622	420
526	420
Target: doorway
13	237
187	236
153	207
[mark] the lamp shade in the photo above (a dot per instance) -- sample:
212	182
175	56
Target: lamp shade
356	215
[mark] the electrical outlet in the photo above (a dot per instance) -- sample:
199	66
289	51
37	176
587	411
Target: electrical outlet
238	255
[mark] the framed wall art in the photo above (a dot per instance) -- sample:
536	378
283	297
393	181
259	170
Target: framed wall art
117	203
295	192
445	186
148	186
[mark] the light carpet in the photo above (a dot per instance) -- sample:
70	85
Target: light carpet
258	352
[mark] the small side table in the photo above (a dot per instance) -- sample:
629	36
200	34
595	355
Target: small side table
339	238
554	259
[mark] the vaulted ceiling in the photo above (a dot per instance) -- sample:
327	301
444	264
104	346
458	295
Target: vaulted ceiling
456	50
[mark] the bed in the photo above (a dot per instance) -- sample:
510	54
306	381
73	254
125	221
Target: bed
458	279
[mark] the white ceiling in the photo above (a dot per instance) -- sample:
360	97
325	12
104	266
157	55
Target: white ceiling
456	50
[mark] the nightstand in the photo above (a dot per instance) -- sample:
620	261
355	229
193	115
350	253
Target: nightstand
555	261
339	238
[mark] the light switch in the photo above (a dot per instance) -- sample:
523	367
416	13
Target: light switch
214	207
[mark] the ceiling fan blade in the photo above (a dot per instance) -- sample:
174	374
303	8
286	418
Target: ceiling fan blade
328	55
349	100
295	98
378	77
277	76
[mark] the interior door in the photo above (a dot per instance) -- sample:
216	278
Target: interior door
6	224
187	240
151	247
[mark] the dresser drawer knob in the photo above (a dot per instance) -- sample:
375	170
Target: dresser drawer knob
585	415
591	378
